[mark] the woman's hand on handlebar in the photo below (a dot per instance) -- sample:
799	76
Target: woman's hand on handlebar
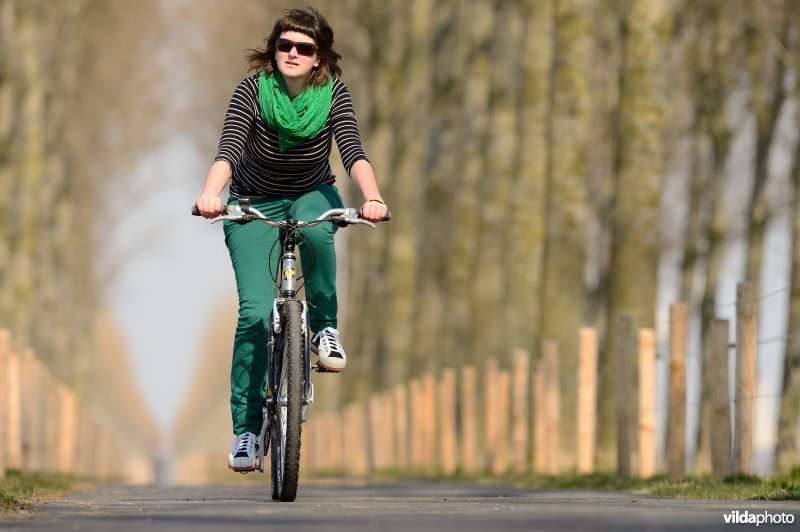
374	211
209	206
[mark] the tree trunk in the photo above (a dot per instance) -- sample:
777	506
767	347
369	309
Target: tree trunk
432	159
383	263
527	217
767	73
495	186
563	292
639	165
461	326
788	444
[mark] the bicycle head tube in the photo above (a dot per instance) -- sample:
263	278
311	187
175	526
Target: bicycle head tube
289	260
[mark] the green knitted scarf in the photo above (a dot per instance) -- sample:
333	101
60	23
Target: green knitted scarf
296	120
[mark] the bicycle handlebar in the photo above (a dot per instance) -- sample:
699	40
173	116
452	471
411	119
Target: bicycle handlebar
244	212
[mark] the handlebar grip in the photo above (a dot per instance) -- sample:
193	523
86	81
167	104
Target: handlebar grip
388	216
196	211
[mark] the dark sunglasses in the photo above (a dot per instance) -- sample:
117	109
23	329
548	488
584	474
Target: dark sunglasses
303	48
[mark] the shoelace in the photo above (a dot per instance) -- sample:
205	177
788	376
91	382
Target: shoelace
329	340
242	445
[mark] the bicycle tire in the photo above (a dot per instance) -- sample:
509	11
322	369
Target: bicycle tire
287	425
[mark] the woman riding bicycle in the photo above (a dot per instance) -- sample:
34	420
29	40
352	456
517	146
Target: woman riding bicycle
274	150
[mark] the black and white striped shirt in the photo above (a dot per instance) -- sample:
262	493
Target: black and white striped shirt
251	148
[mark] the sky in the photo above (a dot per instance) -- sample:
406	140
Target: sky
172	270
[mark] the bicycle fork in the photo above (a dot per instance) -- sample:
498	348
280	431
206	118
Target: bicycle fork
273	399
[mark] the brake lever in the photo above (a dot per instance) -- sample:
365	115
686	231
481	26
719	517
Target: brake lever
236	214
364	222
351	217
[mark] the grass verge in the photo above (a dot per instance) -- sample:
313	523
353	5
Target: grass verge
19	489
739	487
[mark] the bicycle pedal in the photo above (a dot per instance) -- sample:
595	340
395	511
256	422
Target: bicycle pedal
320	369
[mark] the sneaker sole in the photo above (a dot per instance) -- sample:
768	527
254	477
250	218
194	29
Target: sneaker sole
240	469
332	370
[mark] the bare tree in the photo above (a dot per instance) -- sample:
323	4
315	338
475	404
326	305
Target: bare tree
563	293
639	162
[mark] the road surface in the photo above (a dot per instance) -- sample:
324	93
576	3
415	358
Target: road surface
407	507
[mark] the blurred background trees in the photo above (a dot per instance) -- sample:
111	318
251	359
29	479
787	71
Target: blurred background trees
72	79
550	164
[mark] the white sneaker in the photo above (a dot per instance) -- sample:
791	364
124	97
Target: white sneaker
243	454
331	354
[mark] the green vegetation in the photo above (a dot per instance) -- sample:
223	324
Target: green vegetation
781	487
776	488
744	487
19	489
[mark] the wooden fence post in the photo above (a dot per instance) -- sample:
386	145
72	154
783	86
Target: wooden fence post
349	439
362	465
388	423
307	456
720	401
31	412
468	422
587	399
416	437
329	436
447	421
676	443
647	403
85	441
13	408
401	426
519	407
320	430
624	362
334	442
500	463
429	402
51	414
92	442
540	419
552	406
103	452
376	433
489	412
746	330
4	379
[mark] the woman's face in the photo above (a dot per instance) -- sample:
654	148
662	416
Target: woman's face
296	55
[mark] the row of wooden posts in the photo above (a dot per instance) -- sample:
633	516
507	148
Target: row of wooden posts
446	425
45	427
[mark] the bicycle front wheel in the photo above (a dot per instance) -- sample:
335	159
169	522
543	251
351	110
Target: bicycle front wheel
286	426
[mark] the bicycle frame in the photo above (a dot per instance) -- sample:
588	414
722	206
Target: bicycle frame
288	289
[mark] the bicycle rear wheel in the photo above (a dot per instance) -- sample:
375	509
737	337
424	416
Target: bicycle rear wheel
286	426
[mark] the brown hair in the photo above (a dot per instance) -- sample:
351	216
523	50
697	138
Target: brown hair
309	22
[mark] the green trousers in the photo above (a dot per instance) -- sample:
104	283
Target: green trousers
255	261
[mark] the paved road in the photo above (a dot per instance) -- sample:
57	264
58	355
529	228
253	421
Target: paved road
407	507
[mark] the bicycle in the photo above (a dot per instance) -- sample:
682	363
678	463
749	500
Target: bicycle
289	388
